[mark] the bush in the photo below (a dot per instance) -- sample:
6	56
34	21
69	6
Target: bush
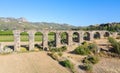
60	54
88	67
54	49
84	43
51	43
82	50
54	56
61	49
91	60
112	40
115	45
22	49
93	47
66	63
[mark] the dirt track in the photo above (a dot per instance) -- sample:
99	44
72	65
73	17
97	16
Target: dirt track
33	62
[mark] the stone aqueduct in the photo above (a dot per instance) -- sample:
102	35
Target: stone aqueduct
31	35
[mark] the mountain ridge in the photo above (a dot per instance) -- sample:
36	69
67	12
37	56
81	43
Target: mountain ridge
10	23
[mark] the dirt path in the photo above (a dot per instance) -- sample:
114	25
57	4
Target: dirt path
34	62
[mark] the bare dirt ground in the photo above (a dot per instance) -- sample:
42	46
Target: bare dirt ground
107	65
33	62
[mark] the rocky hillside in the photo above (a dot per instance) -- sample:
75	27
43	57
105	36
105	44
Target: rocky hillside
22	23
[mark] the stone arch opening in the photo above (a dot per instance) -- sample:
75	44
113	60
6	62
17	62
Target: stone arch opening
107	34
38	40
86	36
8	37
24	39
64	38
52	39
97	35
76	37
8	48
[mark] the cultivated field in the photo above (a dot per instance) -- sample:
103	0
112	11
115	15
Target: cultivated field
10	38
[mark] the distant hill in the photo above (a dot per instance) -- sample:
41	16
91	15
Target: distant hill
10	23
114	27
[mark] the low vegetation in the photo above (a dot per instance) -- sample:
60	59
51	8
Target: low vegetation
91	60
115	45
88	67
89	49
93	48
86	49
68	64
54	55
88	63
82	50
23	49
57	53
61	49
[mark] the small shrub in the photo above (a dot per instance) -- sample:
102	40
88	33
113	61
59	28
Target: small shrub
112	40
115	45
61	49
54	56
54	49
66	63
60	54
93	47
88	67
83	43
22	49
51	43
91	60
82	50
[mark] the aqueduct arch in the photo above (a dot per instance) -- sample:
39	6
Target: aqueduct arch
106	34
86	36
76	37
79	38
97	35
64	38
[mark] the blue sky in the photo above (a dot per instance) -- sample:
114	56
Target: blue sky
74	12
